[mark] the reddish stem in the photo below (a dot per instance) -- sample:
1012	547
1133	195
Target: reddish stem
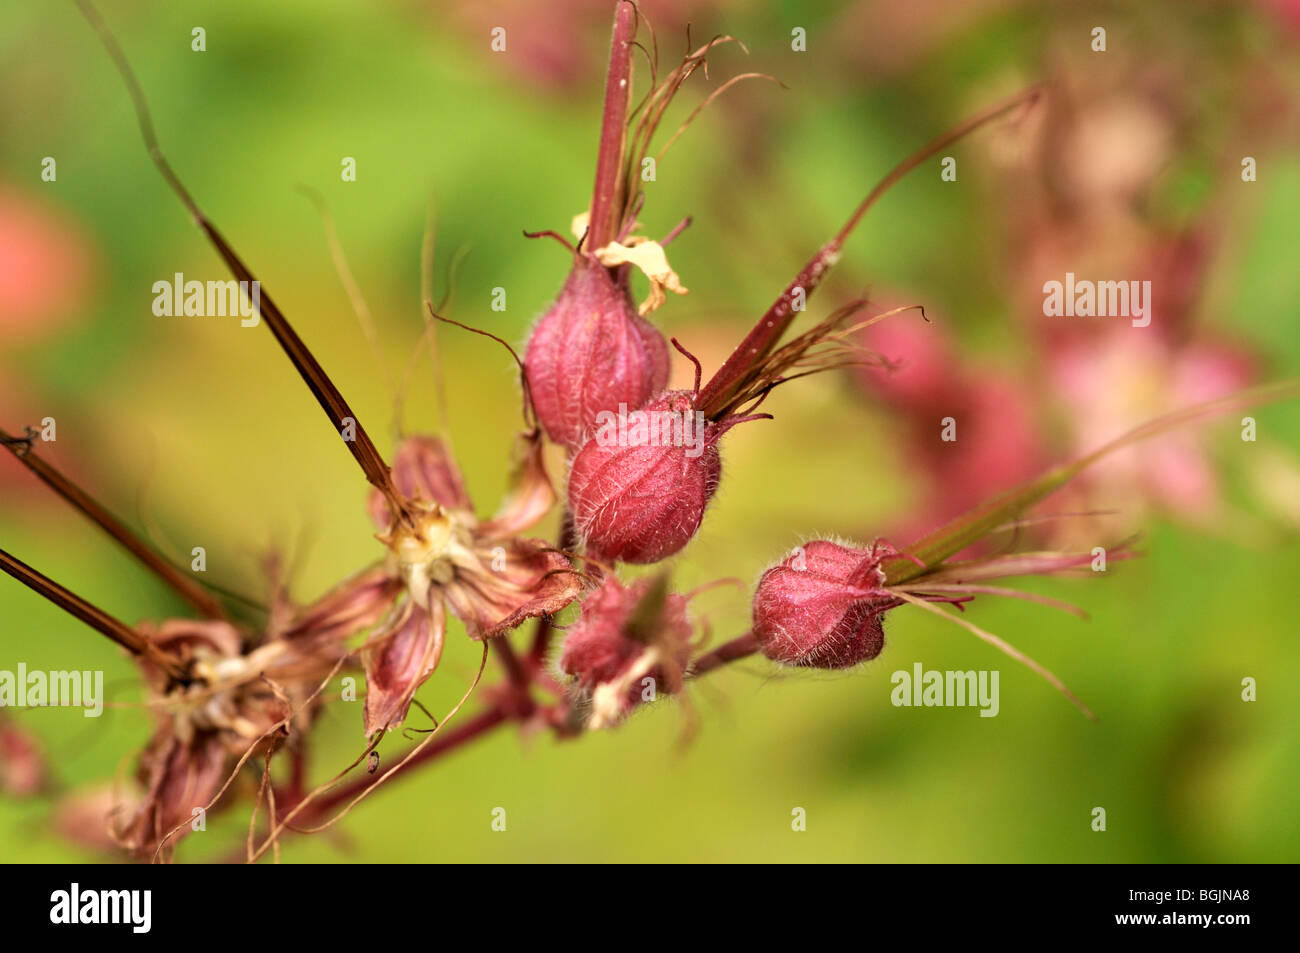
480	724
606	199
738	648
568	541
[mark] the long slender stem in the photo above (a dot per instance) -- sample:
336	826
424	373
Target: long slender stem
327	395
92	615
606	199
186	587
731	377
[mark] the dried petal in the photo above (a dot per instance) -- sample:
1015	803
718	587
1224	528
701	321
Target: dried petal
179	776
354	605
515	580
531	495
423	469
398	661
650	257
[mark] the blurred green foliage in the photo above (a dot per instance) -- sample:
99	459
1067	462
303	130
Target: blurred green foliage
205	425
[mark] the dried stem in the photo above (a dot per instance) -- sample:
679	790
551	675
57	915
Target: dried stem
327	395
480	724
92	615
186	587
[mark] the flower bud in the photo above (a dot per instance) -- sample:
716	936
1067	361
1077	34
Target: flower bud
625	636
639	487
589	353
822	607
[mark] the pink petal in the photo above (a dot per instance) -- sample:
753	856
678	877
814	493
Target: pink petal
397	662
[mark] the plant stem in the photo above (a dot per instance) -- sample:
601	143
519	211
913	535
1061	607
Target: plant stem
607	198
568	541
92	615
480	724
322	387
738	648
186	587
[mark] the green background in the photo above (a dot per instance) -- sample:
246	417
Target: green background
204	426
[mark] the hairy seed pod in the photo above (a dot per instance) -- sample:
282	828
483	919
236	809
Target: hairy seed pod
639	486
589	353
823	606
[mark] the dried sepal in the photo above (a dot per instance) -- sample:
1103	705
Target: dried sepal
398	660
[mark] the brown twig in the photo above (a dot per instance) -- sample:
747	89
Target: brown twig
186	587
92	615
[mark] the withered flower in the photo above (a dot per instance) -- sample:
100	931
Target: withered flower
442	557
235	701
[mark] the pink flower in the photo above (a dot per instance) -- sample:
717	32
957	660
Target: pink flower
23	770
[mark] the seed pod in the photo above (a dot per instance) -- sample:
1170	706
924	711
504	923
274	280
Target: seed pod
822	607
589	353
639	487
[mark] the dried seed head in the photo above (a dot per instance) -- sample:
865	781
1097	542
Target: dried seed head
625	635
639	487
589	353
822	607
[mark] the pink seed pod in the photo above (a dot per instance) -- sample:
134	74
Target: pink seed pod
625	635
639	486
589	353
822	606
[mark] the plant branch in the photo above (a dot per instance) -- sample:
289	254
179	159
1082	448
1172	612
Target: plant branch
185	586
740	647
92	615
327	395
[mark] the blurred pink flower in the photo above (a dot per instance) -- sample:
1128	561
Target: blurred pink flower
47	266
998	441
